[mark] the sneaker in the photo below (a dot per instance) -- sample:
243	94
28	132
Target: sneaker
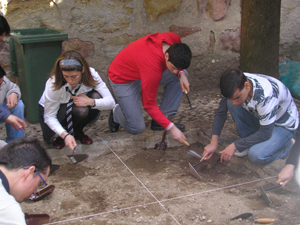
241	154
292	142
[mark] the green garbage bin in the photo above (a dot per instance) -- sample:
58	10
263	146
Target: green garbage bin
33	53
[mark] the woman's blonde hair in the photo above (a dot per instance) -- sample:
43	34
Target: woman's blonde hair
87	78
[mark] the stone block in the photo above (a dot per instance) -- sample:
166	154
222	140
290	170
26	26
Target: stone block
217	9
154	8
231	39
184	31
85	48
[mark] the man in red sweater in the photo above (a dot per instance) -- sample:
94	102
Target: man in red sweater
141	67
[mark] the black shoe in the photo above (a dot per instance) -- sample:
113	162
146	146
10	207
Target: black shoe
113	127
156	126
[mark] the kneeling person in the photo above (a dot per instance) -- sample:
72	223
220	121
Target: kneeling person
139	69
265	114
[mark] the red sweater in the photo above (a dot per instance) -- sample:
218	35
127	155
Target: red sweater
144	60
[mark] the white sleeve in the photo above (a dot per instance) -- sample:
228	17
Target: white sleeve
52	104
107	101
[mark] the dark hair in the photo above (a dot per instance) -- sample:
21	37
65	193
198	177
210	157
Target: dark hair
87	78
231	80
180	55
4	27
2	72
25	152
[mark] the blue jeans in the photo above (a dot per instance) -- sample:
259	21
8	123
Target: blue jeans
129	113
277	147
18	111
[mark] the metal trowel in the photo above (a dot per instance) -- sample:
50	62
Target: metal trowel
186	93
77	158
261	220
193	171
265	196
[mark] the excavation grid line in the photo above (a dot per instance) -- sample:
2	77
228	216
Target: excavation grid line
156	200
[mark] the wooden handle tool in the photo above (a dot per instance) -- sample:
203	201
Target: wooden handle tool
185	142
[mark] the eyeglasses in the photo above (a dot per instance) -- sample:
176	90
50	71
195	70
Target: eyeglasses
42	183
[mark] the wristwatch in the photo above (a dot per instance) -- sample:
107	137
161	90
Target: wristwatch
94	104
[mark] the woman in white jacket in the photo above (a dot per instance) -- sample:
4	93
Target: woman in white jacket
72	79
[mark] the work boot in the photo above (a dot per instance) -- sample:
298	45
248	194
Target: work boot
113	126
156	126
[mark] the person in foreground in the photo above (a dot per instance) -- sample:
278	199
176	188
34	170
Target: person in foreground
265	115
140	68
24	166
72	99
291	164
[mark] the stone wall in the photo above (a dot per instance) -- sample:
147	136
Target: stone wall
99	29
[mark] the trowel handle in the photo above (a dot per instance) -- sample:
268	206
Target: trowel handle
199	163
265	220
185	142
273	187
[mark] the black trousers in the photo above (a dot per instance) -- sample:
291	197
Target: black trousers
81	116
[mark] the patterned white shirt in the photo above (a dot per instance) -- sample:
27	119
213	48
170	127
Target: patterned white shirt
271	102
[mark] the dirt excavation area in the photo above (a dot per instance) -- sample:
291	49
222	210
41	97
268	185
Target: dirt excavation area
155	187
126	181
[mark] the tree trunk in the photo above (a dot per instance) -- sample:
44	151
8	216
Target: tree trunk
260	31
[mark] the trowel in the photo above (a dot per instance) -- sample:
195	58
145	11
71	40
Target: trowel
264	195
193	153
191	108
77	158
261	220
36	219
42	193
193	171
162	145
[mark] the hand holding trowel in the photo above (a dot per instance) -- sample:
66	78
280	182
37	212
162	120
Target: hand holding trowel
76	158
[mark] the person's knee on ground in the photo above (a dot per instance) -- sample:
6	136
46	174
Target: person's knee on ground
257	157
136	128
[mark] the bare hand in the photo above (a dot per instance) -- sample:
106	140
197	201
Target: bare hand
12	100
227	153
70	142
16	122
209	150
184	83
82	100
177	135
286	175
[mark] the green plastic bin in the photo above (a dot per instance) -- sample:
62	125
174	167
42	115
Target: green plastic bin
33	53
